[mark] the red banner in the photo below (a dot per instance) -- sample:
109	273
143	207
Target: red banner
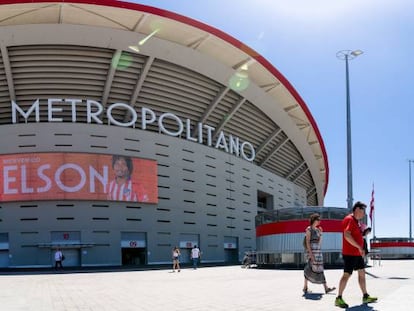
77	176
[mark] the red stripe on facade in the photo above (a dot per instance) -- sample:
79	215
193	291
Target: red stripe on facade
392	244
296	226
218	33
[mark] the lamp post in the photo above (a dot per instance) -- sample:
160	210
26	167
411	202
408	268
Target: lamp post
348	55
409	203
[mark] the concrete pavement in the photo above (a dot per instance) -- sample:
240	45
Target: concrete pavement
210	288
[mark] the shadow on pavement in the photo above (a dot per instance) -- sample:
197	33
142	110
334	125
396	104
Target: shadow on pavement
69	270
390	278
371	275
100	269
313	296
362	307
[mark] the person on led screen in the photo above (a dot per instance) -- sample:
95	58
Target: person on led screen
123	187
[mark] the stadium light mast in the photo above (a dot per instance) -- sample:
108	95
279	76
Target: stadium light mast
409	203
348	55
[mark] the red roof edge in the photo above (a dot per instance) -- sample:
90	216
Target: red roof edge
218	33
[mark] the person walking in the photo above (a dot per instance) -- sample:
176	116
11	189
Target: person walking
176	258
365	232
353	254
246	262
195	256
58	259
314	270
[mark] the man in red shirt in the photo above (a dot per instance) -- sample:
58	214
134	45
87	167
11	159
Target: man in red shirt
353	254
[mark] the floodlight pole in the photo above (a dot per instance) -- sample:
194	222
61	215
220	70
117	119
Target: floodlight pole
409	204
348	55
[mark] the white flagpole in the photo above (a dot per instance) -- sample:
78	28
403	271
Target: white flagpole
373	222
372	210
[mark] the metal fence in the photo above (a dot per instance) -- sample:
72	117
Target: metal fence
286	249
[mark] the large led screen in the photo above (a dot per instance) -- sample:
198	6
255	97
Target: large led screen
77	176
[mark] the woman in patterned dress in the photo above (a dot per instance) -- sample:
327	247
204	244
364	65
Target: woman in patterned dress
314	271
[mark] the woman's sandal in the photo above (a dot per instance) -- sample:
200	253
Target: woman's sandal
329	289
305	290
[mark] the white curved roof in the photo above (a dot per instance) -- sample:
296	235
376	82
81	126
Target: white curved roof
67	48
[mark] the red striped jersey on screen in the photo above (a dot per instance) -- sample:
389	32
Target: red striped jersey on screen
128	191
122	188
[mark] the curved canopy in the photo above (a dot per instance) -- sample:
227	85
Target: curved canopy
113	51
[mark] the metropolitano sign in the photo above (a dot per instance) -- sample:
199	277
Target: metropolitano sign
201	133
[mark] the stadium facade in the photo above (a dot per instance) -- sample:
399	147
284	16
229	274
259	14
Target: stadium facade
392	248
215	134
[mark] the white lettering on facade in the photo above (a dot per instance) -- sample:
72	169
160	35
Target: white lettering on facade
251	149
188	131
221	142
210	131
165	122
25	188
45	178
144	120
94	174
8	180
93	114
12	185
60	183
127	107
16	108
51	109
73	103
234	147
174	118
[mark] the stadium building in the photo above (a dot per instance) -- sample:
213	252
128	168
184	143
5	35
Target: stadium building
127	130
392	248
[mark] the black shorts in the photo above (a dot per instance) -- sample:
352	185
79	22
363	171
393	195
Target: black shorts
352	263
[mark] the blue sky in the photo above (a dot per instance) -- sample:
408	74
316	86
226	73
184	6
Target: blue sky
300	38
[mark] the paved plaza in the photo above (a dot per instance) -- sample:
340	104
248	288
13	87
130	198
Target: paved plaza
207	288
